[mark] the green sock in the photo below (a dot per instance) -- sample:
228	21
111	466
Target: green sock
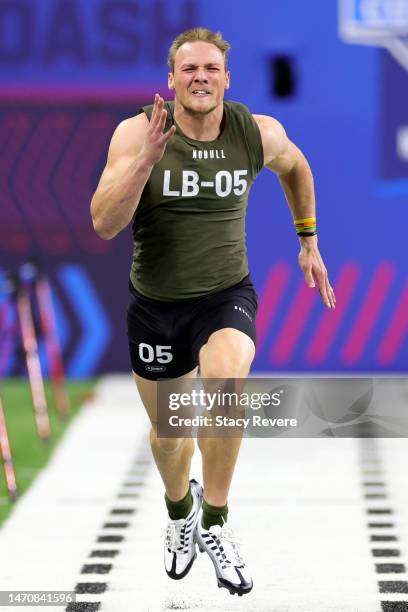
213	515
179	509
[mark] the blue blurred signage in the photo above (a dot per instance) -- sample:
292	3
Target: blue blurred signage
394	127
43	40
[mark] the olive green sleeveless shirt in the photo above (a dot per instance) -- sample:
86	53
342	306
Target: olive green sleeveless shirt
189	226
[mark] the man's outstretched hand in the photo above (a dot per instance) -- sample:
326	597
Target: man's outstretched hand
156	140
315	272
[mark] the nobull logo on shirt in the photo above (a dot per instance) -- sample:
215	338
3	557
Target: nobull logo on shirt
208	154
224	183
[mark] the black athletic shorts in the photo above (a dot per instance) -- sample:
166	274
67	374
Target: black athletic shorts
165	338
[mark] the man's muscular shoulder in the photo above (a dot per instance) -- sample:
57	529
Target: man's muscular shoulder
280	154
274	139
128	137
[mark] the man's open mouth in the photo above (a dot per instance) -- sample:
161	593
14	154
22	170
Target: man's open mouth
200	92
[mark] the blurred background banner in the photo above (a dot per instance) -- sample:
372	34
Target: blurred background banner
70	71
97	41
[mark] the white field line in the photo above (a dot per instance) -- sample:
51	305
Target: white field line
52	530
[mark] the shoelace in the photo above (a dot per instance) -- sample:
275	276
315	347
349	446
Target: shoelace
172	535
227	535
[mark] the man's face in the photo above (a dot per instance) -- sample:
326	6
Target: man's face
199	79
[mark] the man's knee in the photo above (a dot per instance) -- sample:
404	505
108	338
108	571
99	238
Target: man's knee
166	445
221	359
221	367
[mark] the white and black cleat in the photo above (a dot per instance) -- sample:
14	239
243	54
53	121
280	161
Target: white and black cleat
179	544
223	549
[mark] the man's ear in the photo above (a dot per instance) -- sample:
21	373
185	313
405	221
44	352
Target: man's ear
228	77
170	80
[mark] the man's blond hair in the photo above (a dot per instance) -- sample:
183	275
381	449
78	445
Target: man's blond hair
202	35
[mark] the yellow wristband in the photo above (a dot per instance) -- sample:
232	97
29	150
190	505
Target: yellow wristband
308	219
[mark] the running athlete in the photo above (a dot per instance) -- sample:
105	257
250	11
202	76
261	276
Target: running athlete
181	172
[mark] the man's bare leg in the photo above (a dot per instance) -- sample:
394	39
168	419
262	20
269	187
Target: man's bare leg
183	498
172	455
227	354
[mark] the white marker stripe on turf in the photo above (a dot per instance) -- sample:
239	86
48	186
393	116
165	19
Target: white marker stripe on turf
62	514
392	586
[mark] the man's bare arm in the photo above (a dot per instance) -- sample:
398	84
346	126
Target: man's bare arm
136	146
286	160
